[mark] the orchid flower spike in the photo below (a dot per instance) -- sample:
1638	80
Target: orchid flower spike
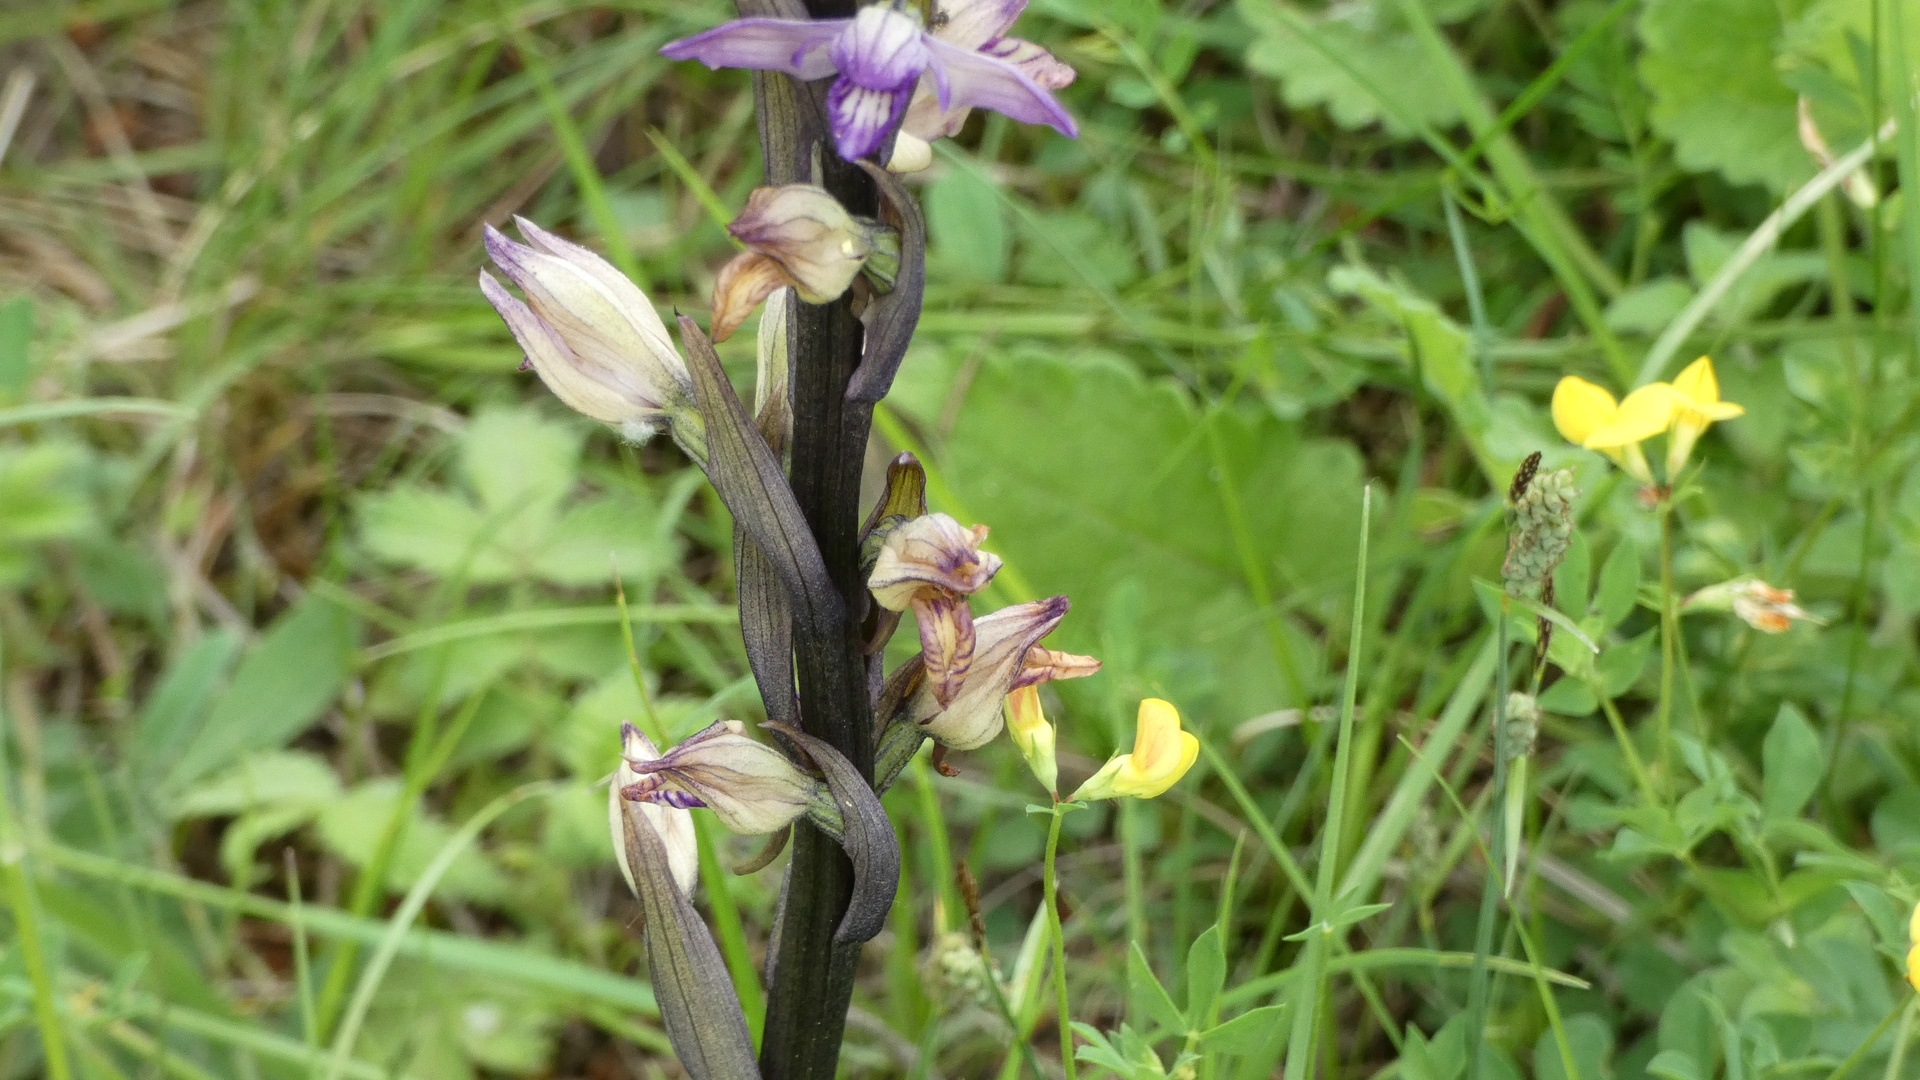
1588	416
798	236
931	564
1162	754
751	787
593	337
1697	404
880	57
1006	657
674	825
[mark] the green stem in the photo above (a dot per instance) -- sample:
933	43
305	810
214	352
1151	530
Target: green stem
1641	778
25	906
1860	1052
1301	1040
1669	630
1050	888
1478	983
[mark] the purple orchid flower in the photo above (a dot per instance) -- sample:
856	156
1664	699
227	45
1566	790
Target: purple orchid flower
880	55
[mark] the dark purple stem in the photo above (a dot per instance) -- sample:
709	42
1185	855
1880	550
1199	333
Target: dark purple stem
810	977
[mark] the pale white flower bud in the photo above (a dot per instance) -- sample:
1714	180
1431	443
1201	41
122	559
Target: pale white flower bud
673	825
591	334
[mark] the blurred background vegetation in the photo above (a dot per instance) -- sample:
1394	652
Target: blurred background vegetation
299	577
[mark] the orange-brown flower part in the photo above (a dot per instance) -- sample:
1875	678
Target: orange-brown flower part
1754	602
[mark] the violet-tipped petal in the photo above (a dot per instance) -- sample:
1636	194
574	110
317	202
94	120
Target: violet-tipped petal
592	336
750	787
946	640
1001	642
798	47
883	56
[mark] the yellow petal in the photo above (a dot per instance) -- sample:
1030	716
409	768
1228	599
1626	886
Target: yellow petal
1157	737
1721	410
1579	407
1697	384
1645	413
1913	967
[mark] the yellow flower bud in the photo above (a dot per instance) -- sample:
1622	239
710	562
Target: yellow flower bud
1913	954
1027	723
1162	754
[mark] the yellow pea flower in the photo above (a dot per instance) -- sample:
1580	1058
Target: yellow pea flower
1162	754
1588	416
1027	724
1696	400
1913	954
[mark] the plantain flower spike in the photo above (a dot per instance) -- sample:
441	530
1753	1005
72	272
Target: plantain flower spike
593	337
1753	602
1697	404
750	787
1162	754
674	825
1027	724
1542	531
798	236
1007	657
1588	416
931	564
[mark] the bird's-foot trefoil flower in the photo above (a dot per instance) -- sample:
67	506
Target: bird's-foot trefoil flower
674	825
1004	660
1753	602
1696	404
1588	416
593	337
796	236
931	564
750	787
879	57
1162	754
1913	954
1027	725
979	26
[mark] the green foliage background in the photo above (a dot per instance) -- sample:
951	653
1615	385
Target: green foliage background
298	576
